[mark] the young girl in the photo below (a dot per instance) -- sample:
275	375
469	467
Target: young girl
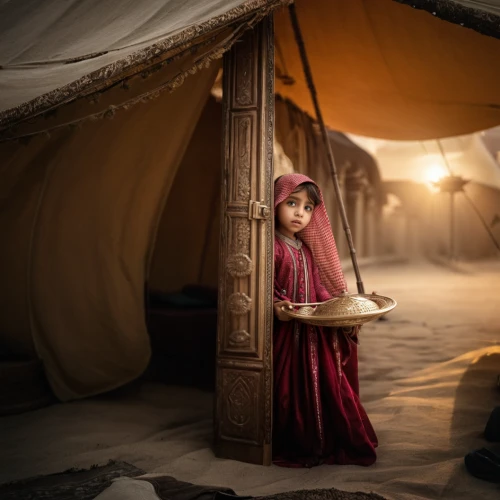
318	417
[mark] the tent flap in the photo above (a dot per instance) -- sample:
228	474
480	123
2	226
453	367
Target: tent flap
80	213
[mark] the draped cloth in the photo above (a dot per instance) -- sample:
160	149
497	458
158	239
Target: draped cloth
318	416
78	216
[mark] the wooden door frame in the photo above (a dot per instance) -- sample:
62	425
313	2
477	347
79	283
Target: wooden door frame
243	400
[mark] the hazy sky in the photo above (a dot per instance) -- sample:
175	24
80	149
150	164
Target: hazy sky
422	161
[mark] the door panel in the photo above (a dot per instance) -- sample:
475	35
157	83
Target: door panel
243	406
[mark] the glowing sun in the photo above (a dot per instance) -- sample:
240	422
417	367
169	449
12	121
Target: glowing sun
434	173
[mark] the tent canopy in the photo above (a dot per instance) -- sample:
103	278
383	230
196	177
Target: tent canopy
382	69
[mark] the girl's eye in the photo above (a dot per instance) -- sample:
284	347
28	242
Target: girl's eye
290	203
309	208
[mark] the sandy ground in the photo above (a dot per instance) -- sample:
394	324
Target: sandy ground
428	378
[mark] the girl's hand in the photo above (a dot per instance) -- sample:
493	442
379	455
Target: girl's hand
279	313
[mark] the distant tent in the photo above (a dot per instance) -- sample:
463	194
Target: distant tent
86	88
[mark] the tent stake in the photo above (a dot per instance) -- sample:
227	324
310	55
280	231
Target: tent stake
331	160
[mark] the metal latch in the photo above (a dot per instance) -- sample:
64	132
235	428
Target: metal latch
258	211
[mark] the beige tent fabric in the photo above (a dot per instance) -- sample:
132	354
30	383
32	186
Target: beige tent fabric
192	212
53	52
38	40
22	173
133	91
383	69
79	215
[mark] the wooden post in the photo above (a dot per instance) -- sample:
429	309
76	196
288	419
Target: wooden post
243	401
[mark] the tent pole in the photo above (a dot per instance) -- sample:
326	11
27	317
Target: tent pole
331	160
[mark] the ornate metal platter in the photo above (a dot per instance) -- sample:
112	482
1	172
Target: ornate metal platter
345	310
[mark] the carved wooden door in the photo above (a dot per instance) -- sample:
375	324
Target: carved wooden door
244	350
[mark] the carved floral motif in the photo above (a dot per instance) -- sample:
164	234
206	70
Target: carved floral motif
239	265
239	303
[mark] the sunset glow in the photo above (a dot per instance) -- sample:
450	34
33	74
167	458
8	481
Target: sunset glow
434	173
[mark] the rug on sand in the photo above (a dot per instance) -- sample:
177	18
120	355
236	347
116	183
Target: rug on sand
322	494
86	484
169	488
75	484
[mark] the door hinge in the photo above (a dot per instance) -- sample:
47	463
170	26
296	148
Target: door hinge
258	211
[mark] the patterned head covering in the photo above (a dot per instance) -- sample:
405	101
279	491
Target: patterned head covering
317	235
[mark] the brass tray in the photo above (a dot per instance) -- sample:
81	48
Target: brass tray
343	311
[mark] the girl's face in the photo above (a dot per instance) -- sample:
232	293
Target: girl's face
294	214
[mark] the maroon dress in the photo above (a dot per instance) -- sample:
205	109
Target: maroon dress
318	417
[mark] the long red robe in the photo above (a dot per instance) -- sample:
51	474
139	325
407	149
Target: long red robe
318	417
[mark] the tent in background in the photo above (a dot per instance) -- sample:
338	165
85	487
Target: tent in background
409	169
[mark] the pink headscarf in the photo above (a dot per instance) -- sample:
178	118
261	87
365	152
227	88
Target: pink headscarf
317	235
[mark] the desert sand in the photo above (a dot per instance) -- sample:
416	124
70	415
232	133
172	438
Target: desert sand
428	382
